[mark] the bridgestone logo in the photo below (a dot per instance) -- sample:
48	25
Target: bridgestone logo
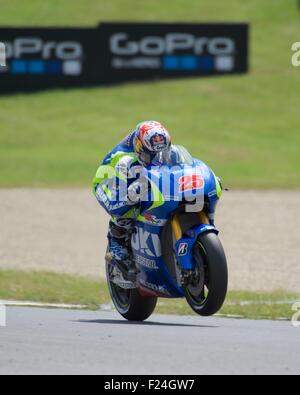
2	55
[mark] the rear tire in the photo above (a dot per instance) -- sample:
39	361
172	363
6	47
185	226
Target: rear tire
128	302
211	260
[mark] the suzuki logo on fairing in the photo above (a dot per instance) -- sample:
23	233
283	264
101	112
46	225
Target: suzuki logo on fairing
170	44
147	243
65	50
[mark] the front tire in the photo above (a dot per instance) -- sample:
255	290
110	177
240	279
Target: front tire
211	266
128	302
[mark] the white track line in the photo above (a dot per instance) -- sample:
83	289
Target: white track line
16	303
110	307
262	302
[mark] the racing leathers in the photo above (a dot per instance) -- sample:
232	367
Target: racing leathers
118	189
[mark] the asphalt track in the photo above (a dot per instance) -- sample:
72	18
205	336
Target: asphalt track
40	341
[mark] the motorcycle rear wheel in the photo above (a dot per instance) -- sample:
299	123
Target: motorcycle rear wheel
211	261
128	302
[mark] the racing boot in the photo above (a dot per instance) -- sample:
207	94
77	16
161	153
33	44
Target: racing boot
119	236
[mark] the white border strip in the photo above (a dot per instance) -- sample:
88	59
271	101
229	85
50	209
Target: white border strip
16	303
109	307
261	302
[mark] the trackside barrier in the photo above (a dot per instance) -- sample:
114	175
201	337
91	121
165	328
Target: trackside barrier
42	58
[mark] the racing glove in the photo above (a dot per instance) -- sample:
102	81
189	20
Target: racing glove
138	191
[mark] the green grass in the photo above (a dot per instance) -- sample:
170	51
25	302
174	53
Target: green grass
241	304
51	288
59	288
245	127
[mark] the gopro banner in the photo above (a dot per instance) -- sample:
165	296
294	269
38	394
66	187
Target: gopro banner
2	55
42	58
145	51
45	58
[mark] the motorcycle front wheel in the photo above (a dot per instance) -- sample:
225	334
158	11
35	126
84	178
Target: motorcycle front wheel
207	293
128	302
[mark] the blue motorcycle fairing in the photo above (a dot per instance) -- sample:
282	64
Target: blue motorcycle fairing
185	246
209	192
154	275
196	231
147	248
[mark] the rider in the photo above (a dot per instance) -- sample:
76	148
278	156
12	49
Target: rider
139	149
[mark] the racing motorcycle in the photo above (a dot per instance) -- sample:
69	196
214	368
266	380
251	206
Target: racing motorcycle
175	246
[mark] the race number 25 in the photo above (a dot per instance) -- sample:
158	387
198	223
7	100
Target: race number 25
190	183
2	55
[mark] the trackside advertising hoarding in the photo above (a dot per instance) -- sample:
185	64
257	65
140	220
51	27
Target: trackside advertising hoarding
155	50
42	58
47	57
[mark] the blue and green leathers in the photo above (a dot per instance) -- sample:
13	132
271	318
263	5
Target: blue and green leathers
111	182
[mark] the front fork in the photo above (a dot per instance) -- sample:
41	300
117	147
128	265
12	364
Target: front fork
184	244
